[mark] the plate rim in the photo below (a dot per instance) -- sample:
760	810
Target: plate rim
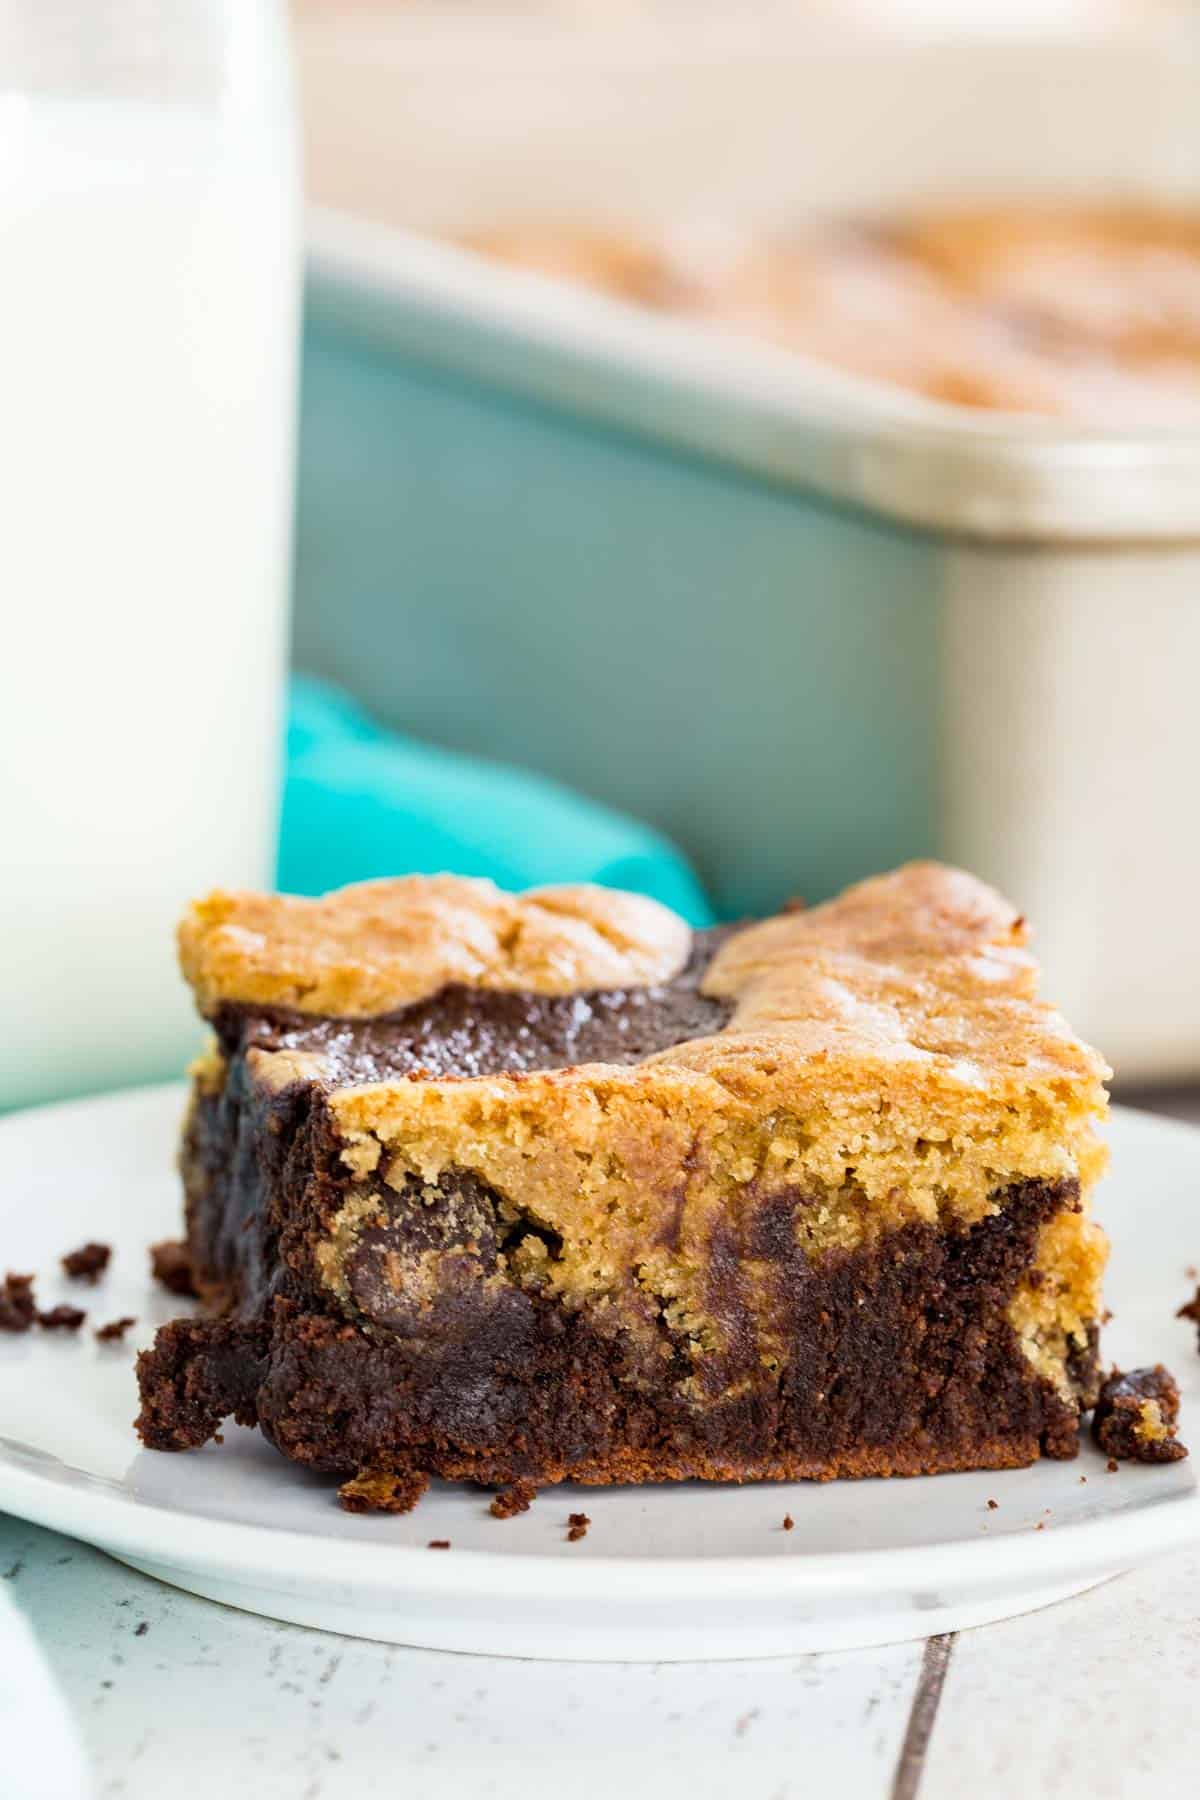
151	1530
88	1508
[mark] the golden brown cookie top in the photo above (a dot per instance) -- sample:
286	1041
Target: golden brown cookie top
923	972
381	945
924	966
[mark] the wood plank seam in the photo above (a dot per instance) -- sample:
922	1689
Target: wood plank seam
910	1765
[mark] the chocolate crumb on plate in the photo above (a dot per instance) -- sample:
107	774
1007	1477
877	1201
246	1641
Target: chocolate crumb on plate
1192	1311
1112	1465
18	1307
382	1490
87	1263
788	1522
578	1523
171	1267
1136	1416
513	1500
439	1544
993	1505
114	1331
62	1318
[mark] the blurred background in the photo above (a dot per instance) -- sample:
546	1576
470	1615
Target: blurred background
736	450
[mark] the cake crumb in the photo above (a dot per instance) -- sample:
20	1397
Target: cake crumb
1083	1481
383	1490
789	1524
142	1629
115	1330
513	1500
1192	1310
62	1318
18	1308
87	1263
1040	1526
439	1544
1112	1465
171	1267
993	1505
1136	1414
577	1523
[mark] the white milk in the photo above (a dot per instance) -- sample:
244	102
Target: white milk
148	322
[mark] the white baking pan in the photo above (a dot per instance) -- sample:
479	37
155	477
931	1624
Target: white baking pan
808	624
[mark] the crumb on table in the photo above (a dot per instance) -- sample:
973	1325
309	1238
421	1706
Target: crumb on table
993	1505
577	1526
87	1263
439	1543
789	1524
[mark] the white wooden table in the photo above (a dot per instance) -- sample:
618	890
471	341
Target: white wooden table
1095	1699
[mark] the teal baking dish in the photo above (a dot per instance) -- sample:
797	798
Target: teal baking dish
722	656
807	625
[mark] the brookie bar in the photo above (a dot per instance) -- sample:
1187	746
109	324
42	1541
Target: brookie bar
527	1188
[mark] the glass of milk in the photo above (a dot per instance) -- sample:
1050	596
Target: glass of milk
148	348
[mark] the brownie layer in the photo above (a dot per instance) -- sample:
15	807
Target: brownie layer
468	1031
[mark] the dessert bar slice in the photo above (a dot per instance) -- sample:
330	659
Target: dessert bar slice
548	1186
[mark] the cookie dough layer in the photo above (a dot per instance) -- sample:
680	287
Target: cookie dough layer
379	945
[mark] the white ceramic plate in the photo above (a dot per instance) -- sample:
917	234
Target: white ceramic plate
666	1572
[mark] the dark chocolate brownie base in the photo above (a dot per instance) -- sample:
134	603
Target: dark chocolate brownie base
902	1363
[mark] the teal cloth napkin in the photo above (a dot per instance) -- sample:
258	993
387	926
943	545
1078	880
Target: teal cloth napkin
360	802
